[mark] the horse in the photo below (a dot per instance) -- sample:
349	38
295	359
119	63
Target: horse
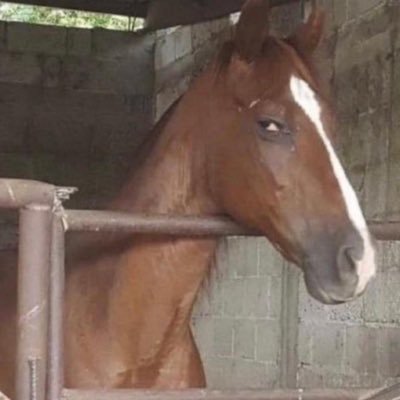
252	139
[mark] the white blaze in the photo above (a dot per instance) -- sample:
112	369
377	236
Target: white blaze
305	97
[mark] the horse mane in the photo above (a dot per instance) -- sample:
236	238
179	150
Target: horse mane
88	246
145	148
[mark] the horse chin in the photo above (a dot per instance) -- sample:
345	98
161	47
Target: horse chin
317	291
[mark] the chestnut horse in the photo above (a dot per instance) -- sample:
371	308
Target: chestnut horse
250	139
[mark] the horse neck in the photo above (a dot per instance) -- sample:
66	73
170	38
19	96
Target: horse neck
172	180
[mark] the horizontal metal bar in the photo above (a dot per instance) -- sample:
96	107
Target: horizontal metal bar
96	221
17	193
385	230
200	394
388	393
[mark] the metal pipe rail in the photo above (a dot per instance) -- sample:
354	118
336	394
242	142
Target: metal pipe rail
37	202
43	224
96	221
201	394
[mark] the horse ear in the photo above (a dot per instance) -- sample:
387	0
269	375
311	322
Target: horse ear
308	35
252	29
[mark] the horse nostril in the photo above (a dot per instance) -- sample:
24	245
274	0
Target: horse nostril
350	255
347	259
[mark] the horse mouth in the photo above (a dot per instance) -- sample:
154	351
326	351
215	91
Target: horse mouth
317	290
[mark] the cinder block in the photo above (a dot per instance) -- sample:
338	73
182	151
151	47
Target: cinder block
3	35
275	297
127	76
358	7
16	165
13	128
339	12
164	51
349	313
361	350
309	377
36	38
393	194
79	42
177	72
305	341
183	41
270	262
257	297
389	256
328	346
234	292
244	345
310	309
107	44
254	375
389	352
312	377
20	68
243	257
218	372
200	34
164	100
385	308
376	183
223	337
203	329
268	341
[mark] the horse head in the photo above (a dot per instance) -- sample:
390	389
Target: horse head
271	161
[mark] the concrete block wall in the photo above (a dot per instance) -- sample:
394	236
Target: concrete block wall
180	54
308	344
241	321
75	104
237	320
359	344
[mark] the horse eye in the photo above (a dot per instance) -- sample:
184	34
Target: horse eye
270	125
274	130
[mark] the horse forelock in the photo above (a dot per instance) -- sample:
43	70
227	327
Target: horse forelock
294	59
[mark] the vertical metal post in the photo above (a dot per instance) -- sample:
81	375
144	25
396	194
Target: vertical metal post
33	281
55	377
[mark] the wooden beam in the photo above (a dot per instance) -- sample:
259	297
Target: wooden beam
130	8
159	13
166	13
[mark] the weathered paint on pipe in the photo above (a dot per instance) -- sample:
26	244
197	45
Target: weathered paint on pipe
201	394
388	393
33	283
96	221
55	375
17	193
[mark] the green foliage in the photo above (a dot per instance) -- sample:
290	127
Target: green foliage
54	16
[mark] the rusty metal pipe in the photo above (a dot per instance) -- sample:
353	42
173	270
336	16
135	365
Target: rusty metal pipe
388	393
17	193
55	375
385	230
96	221
33	282
200	394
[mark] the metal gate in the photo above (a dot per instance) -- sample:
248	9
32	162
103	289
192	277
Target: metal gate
43	223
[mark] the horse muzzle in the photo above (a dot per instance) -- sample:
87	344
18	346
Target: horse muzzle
338	269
